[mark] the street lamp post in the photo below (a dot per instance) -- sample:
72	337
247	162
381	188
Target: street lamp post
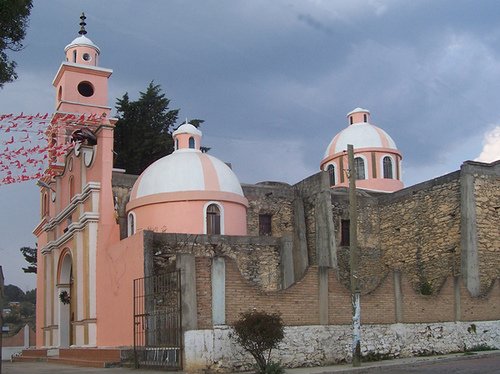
353	260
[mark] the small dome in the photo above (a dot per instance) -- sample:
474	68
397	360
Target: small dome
186	169
82	41
360	135
186	128
357	110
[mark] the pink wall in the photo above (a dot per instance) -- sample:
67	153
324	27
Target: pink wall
377	184
70	82
187	217
118	266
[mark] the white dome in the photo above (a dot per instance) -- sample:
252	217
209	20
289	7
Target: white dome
186	128
360	135
186	170
82	41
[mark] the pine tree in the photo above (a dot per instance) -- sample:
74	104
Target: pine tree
30	257
13	22
143	133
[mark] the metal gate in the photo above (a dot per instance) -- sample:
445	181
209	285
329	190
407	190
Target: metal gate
157	321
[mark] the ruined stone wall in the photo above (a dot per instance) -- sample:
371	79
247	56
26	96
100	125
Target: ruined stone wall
258	258
372	267
487	197
420	231
271	198
122	185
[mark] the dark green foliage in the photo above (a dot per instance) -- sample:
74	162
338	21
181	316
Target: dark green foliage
22	308
425	288
30	257
13	22
13	293
27	309
258	333
143	133
31	296
480	348
274	368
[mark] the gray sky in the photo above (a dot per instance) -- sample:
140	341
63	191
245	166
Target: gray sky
274	80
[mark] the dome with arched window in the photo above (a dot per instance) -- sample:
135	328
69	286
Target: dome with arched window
377	160
188	191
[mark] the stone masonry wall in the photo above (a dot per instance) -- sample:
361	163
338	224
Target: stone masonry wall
420	231
271	198
214	350
487	197
258	258
122	185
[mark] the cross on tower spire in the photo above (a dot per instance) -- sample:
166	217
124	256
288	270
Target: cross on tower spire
82	24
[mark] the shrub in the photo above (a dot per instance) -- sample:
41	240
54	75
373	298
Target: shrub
258	333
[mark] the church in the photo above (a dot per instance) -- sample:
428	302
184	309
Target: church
154	269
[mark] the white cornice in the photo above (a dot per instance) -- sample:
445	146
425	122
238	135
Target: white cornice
72	228
71	207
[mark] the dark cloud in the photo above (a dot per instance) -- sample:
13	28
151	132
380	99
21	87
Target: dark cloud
274	79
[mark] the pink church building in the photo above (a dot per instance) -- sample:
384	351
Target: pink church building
152	269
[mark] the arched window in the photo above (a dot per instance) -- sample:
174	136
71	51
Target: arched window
331	174
74	55
191	142
213	220
387	167
365	118
359	166
131	224
176	144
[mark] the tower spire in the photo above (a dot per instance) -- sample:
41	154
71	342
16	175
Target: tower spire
82	24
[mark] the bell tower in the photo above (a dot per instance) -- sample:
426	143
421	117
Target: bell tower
81	85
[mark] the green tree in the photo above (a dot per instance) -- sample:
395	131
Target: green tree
30	257
258	333
31	296
13	293
143	133
13	22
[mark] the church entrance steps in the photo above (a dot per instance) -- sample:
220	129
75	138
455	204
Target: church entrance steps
89	357
30	355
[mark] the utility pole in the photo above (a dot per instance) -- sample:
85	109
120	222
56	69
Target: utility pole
353	260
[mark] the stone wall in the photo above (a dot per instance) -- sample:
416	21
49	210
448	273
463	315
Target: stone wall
122	185
271	198
420	231
487	198
323	345
257	258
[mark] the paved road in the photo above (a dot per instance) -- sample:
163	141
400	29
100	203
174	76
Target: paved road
463	364
46	368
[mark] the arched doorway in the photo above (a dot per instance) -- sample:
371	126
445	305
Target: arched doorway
65	298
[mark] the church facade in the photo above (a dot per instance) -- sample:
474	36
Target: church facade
429	253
